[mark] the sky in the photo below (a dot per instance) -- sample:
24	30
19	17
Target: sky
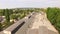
29	3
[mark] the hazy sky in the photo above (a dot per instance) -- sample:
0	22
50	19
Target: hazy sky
29	3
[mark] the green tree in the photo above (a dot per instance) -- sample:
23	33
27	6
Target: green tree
1	27
7	15
53	14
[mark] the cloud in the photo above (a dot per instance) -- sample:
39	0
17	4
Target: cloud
29	3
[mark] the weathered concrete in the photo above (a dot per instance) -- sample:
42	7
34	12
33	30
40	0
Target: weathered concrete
41	25
15	27
36	23
27	25
1	32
